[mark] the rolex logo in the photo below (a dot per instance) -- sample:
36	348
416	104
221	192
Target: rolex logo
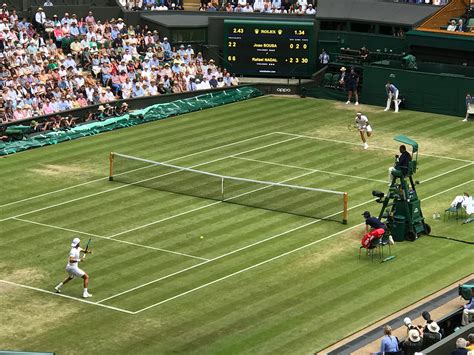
280	32
256	31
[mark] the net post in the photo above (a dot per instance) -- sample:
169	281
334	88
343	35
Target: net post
345	210
111	166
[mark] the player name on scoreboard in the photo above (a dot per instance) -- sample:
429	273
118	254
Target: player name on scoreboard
277	48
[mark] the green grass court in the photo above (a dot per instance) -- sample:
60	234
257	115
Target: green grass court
260	281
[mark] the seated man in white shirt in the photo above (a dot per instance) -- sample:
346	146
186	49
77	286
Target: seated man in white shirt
310	10
467	202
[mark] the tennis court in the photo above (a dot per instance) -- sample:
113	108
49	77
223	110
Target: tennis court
177	243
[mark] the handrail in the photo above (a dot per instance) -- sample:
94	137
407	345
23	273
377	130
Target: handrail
468	34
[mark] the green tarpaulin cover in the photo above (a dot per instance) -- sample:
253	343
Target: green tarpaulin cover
151	113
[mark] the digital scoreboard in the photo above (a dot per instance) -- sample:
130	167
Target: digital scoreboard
269	48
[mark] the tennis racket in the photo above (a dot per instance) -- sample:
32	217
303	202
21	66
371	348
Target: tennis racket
86	250
352	127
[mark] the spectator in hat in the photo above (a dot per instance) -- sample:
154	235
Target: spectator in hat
48	3
414	342
452	26
431	334
123	109
40	18
310	10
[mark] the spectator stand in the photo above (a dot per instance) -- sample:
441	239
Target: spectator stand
443	20
448	344
42	74
368	340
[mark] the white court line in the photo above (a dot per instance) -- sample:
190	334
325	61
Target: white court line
447	172
114	240
135	183
203	207
246	269
309	169
372	146
278	256
447	190
233	252
66	296
106	178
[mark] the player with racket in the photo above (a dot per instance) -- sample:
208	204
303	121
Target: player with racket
72	267
363	126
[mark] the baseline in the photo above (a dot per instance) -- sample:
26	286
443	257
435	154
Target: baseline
373	146
67	296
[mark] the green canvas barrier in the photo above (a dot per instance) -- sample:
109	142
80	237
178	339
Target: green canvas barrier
148	114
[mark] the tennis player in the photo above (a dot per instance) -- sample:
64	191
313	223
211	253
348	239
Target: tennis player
362	123
73	269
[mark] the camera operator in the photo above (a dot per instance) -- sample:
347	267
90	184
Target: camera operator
401	163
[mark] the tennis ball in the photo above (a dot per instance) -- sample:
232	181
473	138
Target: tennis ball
202	237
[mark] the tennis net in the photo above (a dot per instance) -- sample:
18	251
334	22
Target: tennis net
274	196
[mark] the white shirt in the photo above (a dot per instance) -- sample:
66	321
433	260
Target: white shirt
362	121
40	17
75	253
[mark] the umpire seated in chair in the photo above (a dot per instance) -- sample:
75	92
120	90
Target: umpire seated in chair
402	163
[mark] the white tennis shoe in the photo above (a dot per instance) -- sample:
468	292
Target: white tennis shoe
86	295
57	289
366	146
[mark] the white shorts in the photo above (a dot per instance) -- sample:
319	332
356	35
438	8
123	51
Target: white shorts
366	129
74	271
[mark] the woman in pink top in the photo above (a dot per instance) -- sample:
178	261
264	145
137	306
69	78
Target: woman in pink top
58	35
47	107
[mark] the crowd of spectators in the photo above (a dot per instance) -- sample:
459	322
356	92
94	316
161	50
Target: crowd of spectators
56	64
457	26
298	7
425	2
422	336
462	24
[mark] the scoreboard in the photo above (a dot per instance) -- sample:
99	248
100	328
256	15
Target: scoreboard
269	48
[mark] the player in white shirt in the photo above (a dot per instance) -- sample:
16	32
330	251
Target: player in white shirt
72	267
362	123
